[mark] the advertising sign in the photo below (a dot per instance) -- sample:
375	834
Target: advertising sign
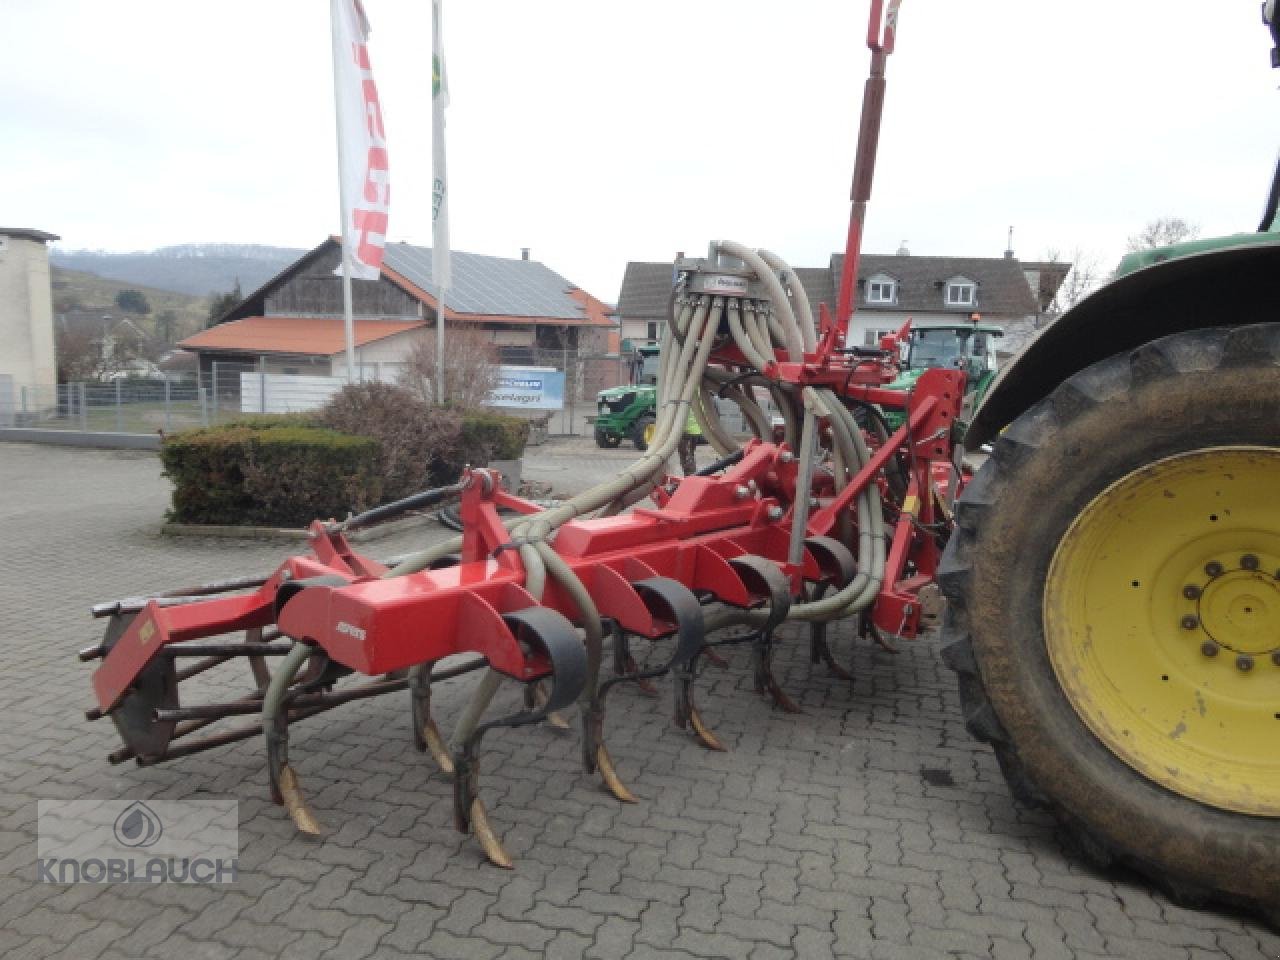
528	388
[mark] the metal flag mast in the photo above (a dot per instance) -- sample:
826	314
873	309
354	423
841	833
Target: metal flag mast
348	321
440	266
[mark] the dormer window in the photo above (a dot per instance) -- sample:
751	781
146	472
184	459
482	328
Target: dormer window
882	289
961	292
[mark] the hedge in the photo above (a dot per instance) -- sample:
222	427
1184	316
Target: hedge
283	475
485	437
372	443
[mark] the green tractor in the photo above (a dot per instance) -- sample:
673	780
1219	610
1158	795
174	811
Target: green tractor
965	344
624	413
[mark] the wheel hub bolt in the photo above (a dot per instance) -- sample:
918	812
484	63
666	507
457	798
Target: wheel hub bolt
1213	568
1191	591
1249	562
1244	663
1189	622
1209	648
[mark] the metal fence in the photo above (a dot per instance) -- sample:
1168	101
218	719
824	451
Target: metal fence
119	406
228	390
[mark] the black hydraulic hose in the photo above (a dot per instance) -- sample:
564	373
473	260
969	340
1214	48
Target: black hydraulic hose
424	499
721	464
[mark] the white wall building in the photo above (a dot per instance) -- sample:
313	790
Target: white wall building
26	320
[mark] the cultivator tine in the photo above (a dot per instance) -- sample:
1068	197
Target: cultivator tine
257	664
715	659
868	630
820	650
673	603
839	568
535	695
549	633
285	788
426	735
763	576
624	664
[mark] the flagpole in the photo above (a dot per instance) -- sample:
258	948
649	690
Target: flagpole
440	346
348	321
441	273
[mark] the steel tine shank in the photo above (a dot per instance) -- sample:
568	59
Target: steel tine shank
547	632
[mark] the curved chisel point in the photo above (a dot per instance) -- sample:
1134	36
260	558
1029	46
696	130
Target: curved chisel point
296	805
609	774
493	848
536	696
714	658
781	698
644	685
436	747
703	732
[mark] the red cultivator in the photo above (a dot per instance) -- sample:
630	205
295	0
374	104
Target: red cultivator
839	518
851	526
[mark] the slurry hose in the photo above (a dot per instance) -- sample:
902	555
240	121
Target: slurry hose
686	384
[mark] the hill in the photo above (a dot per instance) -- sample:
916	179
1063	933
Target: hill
78	290
196	269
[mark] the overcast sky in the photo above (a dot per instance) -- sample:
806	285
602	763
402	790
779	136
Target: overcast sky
597	132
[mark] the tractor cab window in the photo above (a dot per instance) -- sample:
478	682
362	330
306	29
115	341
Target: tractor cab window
978	355
937	348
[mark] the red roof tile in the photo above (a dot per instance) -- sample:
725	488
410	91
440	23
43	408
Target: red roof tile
322	336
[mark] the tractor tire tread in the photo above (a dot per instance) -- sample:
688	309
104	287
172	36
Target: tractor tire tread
1206	352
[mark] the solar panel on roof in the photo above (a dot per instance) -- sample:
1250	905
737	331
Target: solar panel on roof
491	285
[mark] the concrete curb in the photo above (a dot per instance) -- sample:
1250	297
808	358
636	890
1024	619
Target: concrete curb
78	438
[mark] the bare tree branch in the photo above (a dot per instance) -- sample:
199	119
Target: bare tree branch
470	366
1084	277
1162	232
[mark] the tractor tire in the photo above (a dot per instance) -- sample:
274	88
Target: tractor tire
1114	579
606	440
640	433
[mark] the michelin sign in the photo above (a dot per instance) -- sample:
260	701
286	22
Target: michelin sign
528	388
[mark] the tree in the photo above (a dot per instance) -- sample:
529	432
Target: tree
95	351
166	327
470	369
222	302
1083	278
1162	232
133	301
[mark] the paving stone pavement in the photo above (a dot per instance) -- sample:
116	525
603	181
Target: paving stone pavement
871	826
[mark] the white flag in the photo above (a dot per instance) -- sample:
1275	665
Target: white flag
440	268
362	142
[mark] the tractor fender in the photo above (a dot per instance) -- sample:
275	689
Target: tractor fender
1226	287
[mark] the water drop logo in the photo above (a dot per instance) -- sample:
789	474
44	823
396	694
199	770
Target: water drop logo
138	826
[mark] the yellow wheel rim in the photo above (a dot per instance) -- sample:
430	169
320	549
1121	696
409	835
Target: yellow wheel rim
649	430
1162	620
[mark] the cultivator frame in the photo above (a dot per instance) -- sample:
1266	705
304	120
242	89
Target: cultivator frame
841	518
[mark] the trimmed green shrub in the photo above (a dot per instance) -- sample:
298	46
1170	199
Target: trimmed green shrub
486	437
260	420
283	475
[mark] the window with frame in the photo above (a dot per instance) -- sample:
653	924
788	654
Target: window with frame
873	337
961	293
882	290
651	331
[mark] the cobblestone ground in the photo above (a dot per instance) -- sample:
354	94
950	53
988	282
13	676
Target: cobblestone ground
870	826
